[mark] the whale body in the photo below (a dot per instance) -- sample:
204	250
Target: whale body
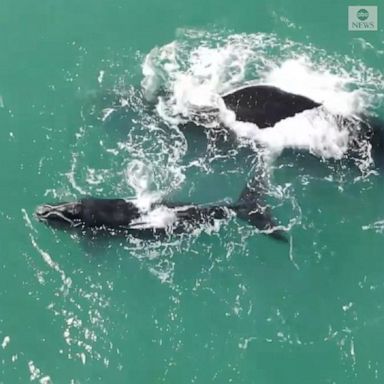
265	105
125	216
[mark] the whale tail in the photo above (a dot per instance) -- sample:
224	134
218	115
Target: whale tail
250	208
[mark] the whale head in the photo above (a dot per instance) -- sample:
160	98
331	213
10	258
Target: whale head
63	214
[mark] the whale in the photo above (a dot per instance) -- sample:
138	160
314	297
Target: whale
125	216
261	104
265	105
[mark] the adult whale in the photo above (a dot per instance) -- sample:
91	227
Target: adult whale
266	105
122	216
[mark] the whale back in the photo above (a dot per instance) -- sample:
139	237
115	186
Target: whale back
110	213
376	132
266	105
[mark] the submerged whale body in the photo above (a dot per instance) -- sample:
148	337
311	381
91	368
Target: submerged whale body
125	216
266	105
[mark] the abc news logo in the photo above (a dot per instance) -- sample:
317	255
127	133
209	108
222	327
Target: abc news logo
362	18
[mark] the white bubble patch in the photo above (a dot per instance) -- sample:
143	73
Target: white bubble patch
190	74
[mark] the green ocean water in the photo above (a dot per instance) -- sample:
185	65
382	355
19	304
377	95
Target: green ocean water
231	306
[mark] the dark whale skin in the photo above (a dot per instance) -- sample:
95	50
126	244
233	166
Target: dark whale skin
266	105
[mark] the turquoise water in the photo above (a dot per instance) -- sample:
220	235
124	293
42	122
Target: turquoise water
228	305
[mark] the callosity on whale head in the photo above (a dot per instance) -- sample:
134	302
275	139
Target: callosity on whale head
63	214
89	213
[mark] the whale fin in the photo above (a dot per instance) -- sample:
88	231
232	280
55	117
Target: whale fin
250	208
266	105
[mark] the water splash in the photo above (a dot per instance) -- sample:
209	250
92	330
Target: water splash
189	75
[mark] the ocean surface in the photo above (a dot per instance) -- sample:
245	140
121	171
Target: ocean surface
97	99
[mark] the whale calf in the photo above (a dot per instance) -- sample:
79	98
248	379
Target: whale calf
125	216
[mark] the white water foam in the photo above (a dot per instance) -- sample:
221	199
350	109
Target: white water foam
189	75
317	131
160	218
331	90
377	226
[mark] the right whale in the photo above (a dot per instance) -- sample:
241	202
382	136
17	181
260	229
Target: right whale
265	105
124	216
